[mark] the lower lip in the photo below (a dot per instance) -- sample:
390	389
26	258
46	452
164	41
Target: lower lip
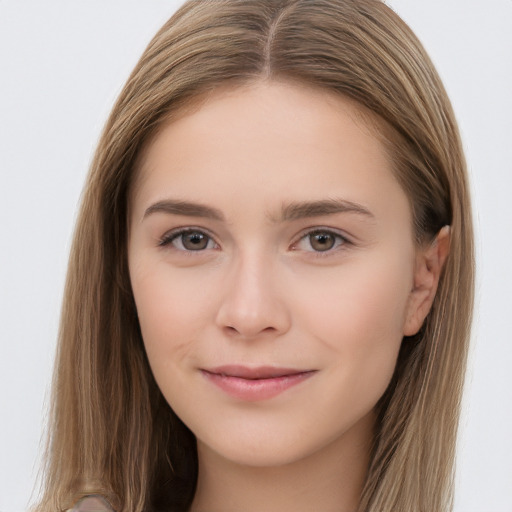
252	390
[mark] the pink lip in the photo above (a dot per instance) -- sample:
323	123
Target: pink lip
253	384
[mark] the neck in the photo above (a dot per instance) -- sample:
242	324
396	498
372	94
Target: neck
330	479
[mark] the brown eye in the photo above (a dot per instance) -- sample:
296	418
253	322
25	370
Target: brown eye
188	240
194	240
322	241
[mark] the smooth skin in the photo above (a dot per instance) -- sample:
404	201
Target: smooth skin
258	279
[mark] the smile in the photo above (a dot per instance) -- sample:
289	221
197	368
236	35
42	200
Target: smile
254	384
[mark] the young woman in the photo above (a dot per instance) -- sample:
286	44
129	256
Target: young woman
270	289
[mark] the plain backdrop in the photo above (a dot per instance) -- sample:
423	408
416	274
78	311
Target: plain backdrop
62	63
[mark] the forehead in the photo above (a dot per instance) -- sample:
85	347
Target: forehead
273	140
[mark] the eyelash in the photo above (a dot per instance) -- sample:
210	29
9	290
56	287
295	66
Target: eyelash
168	238
341	242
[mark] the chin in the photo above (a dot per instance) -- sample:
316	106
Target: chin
265	455
277	444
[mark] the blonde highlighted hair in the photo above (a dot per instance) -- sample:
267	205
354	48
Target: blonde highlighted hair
111	431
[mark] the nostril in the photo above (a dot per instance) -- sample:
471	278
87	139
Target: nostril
248	333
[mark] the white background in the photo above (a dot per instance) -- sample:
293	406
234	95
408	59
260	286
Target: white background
62	64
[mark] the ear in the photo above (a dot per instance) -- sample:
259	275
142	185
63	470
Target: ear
429	264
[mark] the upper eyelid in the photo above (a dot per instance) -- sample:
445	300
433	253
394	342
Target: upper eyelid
320	229
179	229
323	229
173	233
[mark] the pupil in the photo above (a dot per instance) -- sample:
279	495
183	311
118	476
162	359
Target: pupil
195	241
322	242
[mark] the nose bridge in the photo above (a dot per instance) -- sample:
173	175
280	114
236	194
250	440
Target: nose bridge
252	302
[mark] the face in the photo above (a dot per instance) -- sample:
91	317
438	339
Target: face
272	260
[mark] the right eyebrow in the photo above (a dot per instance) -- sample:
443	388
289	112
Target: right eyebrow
178	207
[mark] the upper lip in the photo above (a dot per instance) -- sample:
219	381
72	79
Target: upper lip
253	373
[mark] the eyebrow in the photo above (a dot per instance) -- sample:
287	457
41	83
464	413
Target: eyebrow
178	207
289	212
305	209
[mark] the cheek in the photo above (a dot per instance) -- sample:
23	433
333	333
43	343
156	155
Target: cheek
173	311
357	313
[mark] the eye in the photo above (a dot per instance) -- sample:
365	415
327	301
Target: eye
321	241
188	240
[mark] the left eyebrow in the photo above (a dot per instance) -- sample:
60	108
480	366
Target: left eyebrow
305	209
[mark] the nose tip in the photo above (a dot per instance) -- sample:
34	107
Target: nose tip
253	304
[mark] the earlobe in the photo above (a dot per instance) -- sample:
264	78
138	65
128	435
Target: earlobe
429	264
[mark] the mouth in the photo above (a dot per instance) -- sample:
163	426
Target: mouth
254	384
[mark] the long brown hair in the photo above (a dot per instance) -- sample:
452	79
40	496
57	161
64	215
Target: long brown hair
111	431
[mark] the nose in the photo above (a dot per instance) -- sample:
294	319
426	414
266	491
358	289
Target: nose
253	300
